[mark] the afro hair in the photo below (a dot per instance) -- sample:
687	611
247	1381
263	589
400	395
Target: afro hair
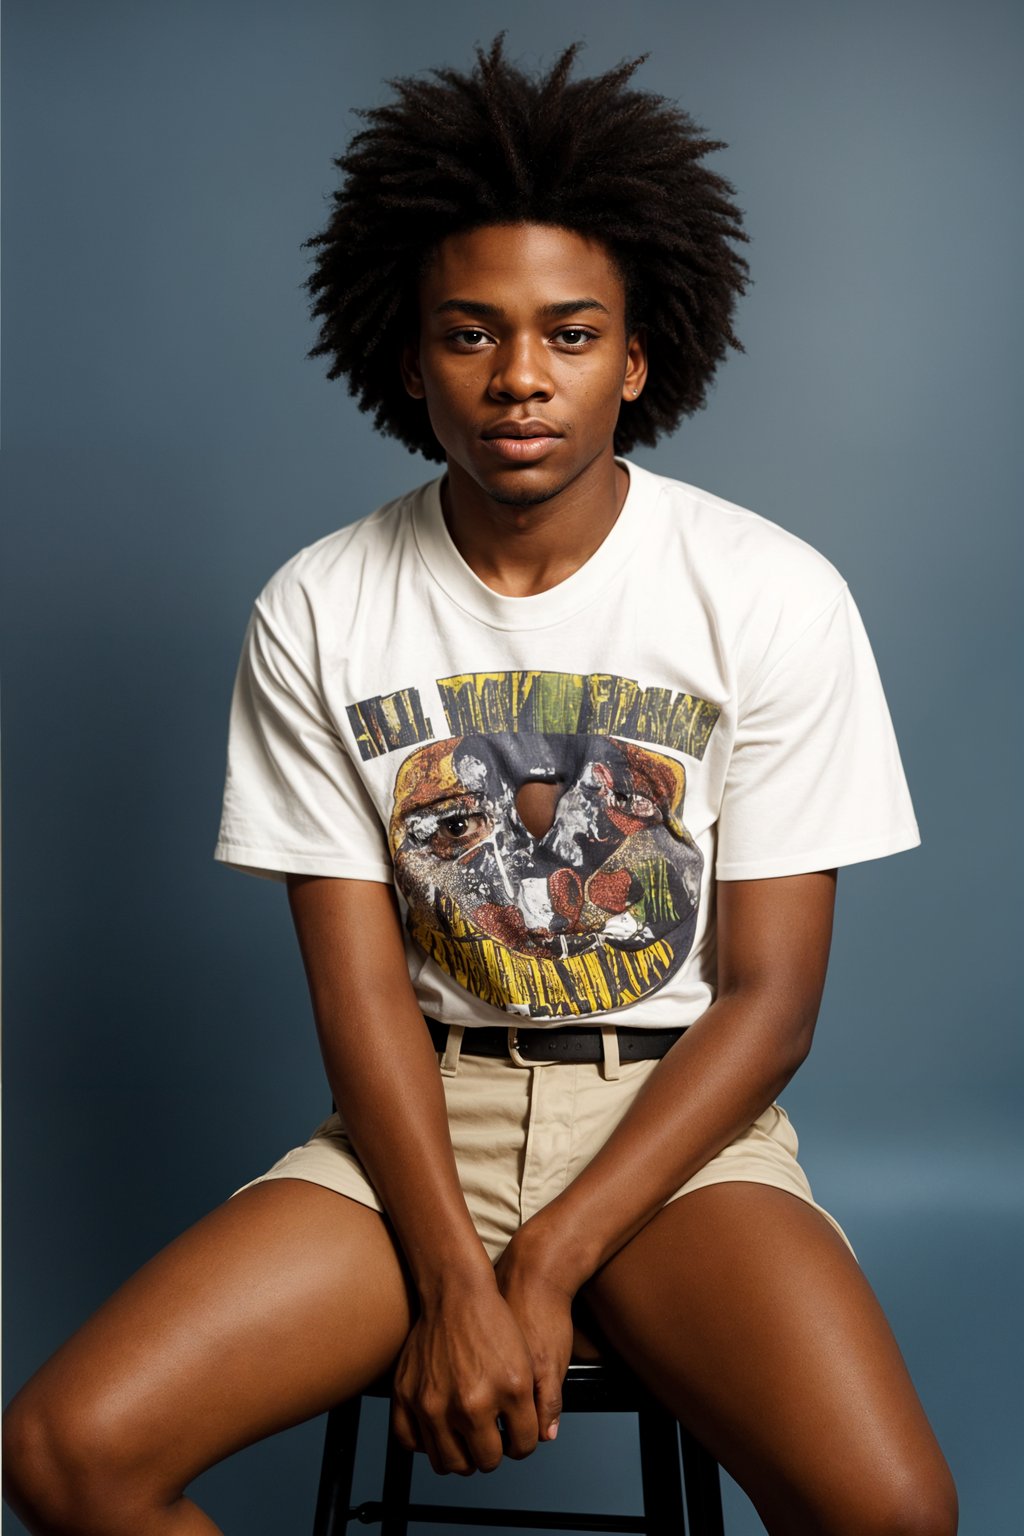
494	146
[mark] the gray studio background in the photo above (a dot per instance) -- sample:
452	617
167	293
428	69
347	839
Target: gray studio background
167	446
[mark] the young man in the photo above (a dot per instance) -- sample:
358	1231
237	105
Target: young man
558	758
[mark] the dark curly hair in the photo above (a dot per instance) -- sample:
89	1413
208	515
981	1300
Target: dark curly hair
494	146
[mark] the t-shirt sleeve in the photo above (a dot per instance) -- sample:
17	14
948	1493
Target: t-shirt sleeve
815	778
293	799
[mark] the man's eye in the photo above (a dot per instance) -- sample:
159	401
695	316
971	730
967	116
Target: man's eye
575	336
469	337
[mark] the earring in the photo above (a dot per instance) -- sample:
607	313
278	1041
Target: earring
635	393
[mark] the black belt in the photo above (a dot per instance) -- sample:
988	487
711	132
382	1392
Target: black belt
534	1044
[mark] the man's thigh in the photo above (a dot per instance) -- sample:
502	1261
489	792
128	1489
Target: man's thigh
745	1311
280	1302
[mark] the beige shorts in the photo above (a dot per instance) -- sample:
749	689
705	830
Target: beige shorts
522	1132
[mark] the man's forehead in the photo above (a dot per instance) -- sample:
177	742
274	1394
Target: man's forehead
550	267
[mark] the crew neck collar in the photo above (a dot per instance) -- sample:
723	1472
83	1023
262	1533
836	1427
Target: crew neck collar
497	609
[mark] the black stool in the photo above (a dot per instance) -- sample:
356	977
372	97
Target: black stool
588	1388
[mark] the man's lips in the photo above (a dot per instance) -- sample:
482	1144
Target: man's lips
530	426
520	441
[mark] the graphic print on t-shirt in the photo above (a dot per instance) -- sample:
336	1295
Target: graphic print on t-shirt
597	911
593	915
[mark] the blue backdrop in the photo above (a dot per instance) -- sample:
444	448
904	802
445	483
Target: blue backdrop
167	446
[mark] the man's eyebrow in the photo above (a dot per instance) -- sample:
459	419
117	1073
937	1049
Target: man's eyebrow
572	307
557	311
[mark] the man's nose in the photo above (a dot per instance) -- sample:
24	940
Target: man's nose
521	371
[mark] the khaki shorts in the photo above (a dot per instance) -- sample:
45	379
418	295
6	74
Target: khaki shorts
522	1131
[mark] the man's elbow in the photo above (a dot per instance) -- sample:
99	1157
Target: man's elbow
798	1034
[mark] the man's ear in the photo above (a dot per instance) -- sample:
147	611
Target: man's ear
636	363
412	378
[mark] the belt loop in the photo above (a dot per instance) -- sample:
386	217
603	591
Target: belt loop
452	1050
610	1041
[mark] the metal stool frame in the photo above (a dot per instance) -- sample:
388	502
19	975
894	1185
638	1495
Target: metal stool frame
588	1388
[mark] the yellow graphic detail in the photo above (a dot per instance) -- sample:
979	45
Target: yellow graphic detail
388	721
576	704
601	980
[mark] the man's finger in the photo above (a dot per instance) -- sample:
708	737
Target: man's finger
447	1451
484	1446
519	1428
404	1427
548	1399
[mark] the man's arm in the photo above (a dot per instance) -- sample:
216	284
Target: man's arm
773	946
466	1360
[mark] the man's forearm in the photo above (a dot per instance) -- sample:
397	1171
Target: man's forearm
382	1069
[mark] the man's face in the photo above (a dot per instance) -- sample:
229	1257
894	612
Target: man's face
523	330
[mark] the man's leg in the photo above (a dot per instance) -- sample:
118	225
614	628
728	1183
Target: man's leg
286	1299
743	1310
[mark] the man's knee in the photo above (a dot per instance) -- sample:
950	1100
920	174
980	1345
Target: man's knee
915	1501
922	1507
68	1465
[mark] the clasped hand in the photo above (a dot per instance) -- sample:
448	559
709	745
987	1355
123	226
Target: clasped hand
481	1372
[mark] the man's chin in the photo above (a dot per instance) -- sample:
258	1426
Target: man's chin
526	487
513	496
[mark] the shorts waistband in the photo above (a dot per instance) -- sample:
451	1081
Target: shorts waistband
535	1044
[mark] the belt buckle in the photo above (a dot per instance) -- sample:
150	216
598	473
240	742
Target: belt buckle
527	1061
513	1047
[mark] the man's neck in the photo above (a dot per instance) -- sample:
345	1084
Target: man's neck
519	551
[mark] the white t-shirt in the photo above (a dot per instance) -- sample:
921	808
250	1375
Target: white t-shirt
701	690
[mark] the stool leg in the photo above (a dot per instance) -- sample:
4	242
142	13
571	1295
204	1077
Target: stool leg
397	1484
659	1473
703	1488
334	1496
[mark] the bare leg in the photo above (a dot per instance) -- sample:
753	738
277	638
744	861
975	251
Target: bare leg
745	1312
283	1301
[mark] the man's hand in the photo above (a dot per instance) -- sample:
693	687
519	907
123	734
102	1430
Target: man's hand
542	1305
464	1363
